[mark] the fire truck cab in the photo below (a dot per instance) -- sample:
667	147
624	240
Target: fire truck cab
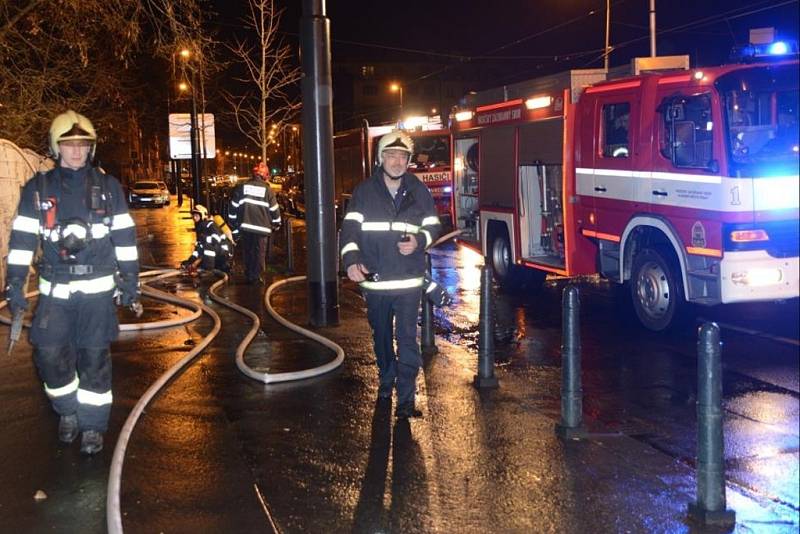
682	183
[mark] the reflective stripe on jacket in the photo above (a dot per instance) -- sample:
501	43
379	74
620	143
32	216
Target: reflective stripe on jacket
373	226
111	241
253	208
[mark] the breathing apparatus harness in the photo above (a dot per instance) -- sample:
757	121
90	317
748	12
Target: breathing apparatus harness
70	236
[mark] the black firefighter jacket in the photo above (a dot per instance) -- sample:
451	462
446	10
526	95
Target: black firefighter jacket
375	223
212	245
253	208
109	233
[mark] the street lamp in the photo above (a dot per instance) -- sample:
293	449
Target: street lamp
194	138
397	88
608	34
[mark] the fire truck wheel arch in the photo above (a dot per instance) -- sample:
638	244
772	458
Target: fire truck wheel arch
653	229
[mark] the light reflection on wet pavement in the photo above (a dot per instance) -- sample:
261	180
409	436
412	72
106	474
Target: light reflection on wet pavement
327	458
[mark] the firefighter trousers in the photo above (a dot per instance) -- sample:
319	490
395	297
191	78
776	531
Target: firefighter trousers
71	338
394	317
255	251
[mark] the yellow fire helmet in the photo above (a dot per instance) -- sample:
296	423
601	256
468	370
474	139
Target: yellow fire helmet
201	211
71	126
396	140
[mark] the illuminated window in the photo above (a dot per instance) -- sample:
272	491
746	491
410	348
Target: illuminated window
616	119
367	71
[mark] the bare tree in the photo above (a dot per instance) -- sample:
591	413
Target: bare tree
267	96
95	56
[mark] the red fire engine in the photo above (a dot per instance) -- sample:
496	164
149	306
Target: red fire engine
682	183
354	158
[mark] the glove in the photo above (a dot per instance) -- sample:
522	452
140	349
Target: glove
436	293
186	264
15	295
128	287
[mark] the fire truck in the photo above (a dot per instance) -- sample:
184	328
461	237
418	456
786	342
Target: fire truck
681	183
355	158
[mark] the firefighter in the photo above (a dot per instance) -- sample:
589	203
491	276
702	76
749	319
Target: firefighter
88	258
212	249
253	215
390	221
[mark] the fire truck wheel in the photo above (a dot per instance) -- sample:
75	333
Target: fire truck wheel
508	275
656	289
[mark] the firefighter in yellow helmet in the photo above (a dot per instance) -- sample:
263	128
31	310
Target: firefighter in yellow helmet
79	216
212	249
390	221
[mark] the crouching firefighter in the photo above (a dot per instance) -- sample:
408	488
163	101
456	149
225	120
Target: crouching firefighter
212	249
89	260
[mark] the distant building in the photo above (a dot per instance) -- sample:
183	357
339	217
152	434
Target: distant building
372	90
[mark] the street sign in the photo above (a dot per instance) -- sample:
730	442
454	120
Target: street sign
180	146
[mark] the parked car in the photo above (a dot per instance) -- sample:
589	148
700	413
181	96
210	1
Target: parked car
291	196
148	194
164	191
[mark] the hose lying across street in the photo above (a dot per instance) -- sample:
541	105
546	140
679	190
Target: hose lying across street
113	513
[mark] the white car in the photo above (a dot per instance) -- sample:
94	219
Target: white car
148	194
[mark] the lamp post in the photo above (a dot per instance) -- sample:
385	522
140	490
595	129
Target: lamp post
397	88
194	138
608	34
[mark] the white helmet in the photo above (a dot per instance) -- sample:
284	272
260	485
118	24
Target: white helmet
201	211
70	126
396	140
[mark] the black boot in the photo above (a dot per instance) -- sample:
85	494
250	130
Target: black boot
406	410
91	442
68	428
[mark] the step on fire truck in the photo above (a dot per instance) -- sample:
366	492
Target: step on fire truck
682	183
355	158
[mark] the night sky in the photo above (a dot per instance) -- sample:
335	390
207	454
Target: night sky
522	39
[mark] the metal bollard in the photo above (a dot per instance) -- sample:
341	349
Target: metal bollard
485	377
428	342
571	424
709	508
289	246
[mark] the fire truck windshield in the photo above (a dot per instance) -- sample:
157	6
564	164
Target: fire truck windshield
761	111
430	152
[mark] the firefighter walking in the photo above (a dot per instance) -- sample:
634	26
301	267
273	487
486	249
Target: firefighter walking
391	219
89	255
253	215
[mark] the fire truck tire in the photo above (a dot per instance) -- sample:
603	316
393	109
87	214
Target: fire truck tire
508	275
656	289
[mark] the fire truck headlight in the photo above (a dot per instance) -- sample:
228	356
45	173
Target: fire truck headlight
757	277
448	189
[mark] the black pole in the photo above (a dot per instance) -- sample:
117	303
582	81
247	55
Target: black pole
176	176
194	139
428	341
571	424
709	508
289	246
485	377
323	284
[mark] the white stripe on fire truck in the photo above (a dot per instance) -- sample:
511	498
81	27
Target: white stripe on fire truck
719	193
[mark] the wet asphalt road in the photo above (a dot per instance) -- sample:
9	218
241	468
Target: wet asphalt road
644	384
325	458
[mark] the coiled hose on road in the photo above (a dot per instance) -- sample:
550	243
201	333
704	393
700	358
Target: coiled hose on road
113	512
